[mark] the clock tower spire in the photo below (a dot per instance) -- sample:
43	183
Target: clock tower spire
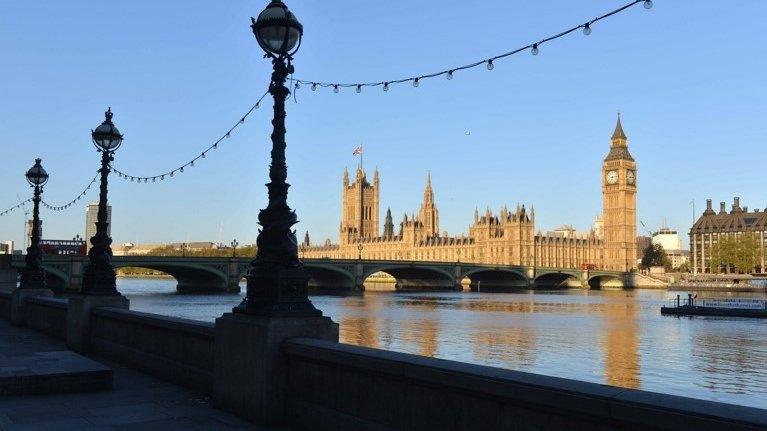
619	187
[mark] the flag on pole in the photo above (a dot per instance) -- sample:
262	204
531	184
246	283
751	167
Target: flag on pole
357	151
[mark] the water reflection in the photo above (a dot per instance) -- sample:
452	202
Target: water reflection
621	346
611	337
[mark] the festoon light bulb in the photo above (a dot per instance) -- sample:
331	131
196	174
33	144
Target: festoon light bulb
587	29
490	65
335	88
359	89
648	4
449	74
386	86
415	82
534	51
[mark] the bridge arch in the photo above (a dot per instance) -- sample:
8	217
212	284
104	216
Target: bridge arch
190	278
496	279
326	278
601	281
56	279
414	277
557	280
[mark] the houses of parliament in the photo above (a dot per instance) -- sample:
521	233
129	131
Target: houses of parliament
508	237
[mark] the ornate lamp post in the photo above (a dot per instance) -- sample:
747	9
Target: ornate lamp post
277	281
33	276
234	247
99	275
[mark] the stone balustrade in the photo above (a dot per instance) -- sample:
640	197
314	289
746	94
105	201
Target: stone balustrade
331	386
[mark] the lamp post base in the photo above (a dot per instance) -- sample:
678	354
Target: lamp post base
275	291
252	378
79	310
100	282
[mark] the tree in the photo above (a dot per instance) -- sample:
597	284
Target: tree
684	267
736	253
655	255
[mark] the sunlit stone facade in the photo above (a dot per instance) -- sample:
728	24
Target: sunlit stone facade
506	237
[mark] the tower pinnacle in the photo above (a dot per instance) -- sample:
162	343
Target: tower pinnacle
618	134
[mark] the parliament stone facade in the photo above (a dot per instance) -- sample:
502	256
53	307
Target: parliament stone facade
508	237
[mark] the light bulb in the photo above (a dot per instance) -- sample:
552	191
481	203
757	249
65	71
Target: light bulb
335	88
258	105
162	177
154	179
534	51
490	65
191	163
171	174
386	86
181	170
449	74
298	85
216	145
415	82
359	89
314	86
202	155
648	4
586	30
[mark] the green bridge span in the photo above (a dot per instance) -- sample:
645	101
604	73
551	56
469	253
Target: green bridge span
211	274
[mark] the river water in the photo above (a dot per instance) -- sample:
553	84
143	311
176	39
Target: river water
610	336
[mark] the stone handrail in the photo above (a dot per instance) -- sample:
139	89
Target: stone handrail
336	387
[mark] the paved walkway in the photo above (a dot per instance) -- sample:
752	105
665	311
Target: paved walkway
137	401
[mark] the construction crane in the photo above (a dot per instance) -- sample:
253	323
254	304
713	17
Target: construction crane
645	229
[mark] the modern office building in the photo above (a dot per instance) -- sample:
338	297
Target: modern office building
91	215
672	244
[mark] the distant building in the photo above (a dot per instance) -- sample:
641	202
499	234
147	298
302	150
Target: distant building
508	237
30	224
599	227
712	225
672	244
91	216
642	243
6	247
131	249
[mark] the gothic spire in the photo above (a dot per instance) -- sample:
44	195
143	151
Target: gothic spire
618	133
346	176
388	225
619	147
428	193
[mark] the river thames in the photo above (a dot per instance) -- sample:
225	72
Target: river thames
612	337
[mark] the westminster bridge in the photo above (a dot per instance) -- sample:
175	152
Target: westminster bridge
211	274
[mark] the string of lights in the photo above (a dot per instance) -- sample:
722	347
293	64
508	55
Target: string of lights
15	207
191	163
534	49
73	201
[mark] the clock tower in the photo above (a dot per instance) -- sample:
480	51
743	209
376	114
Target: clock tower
619	189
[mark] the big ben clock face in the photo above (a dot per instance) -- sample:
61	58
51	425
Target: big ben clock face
612	177
631	177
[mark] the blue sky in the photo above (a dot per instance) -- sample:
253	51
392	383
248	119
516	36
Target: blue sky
687	76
